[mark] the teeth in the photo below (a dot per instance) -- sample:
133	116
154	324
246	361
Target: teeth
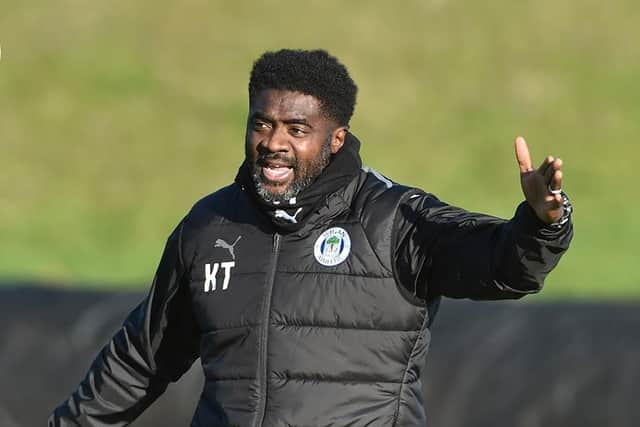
276	172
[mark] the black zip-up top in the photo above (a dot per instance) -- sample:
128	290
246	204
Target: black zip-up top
312	329
327	325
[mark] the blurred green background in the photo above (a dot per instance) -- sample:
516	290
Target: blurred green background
115	117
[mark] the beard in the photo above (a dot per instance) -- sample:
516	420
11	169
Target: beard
304	173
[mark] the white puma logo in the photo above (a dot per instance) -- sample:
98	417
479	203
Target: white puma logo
222	244
291	218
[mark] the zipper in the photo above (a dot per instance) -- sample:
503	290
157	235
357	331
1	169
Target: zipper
264	333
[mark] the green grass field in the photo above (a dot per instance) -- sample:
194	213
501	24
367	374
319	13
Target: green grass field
117	116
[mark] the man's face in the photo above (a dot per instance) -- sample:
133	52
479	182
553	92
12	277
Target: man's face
288	142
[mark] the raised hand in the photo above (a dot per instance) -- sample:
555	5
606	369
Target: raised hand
538	184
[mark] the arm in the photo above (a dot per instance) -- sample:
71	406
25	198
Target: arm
451	252
157	343
445	250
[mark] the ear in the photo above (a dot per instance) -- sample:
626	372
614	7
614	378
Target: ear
337	138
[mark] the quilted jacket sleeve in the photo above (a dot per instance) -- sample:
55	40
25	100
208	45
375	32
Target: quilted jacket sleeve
157	343
442	250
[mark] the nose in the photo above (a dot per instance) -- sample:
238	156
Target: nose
276	141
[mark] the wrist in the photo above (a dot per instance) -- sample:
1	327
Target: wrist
567	209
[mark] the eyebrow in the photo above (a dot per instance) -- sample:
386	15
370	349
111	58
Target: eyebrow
262	116
297	122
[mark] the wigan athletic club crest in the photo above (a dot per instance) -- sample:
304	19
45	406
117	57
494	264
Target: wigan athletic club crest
332	247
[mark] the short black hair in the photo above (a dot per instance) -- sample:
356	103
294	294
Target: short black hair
312	72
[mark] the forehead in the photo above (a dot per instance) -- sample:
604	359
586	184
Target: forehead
279	103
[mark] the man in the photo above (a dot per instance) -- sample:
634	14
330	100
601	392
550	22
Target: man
308	286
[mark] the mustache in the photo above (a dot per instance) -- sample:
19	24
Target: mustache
264	158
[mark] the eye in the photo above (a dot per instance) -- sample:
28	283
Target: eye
296	131
259	125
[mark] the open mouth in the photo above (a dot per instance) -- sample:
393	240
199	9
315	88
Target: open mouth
276	173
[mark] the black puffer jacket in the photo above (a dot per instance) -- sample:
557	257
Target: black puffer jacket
324	326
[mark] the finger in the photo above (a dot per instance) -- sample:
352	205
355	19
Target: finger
522	155
556	180
554	201
557	198
544	167
556	165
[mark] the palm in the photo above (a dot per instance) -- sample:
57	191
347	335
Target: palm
537	182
